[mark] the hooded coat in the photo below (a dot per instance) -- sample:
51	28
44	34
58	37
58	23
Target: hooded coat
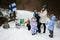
52	23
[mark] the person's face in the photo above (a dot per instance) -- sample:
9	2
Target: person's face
42	8
33	19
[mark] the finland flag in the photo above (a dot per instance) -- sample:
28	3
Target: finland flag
12	7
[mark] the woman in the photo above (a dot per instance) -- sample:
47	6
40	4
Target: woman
43	18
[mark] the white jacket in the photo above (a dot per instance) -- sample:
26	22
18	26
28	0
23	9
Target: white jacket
43	17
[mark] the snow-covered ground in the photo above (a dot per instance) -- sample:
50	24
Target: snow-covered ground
23	34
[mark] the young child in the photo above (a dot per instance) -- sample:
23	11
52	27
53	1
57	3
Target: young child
28	25
36	15
33	24
6	25
17	23
51	25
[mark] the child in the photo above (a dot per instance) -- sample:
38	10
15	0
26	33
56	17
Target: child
17	23
33	24
6	25
36	15
28	25
51	25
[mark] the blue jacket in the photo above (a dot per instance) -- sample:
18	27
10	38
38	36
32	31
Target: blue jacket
52	23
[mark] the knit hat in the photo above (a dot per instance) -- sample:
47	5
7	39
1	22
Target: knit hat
34	9
44	6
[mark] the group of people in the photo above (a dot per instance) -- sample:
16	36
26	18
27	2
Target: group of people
40	18
37	20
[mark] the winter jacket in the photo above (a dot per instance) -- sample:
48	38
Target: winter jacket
43	17
33	27
52	23
36	16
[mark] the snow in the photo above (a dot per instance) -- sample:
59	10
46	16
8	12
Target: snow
14	33
23	14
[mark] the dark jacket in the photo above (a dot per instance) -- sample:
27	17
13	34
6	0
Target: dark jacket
37	16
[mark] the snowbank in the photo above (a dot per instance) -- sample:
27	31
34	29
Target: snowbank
22	14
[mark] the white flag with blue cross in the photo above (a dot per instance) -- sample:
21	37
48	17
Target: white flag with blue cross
12	7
